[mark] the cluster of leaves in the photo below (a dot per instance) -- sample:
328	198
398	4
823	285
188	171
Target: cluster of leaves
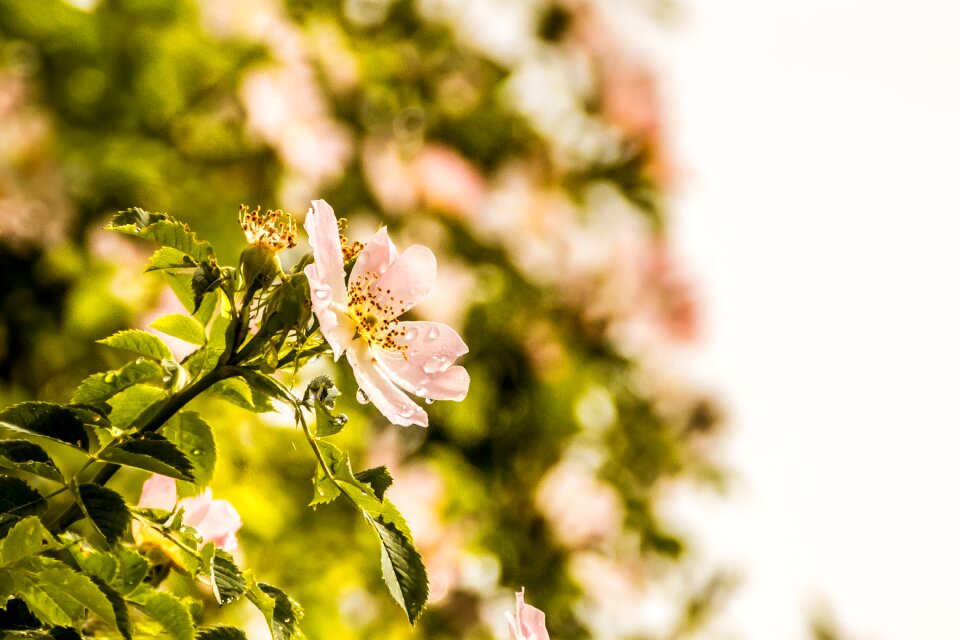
56	578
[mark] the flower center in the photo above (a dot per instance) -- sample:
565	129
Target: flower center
376	313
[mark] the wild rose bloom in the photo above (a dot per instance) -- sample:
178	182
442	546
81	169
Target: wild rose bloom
528	623
359	318
215	520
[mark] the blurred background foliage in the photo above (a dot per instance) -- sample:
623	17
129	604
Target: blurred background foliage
522	140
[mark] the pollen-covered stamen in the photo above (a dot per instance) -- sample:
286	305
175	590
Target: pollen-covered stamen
376	320
350	249
273	230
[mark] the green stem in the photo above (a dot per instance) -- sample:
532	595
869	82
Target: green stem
173	404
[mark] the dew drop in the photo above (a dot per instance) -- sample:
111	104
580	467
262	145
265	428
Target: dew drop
407	412
435	364
433	334
429	400
421	391
197	452
362	397
339	420
411	334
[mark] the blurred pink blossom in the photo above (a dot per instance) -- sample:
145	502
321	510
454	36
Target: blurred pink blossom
388	356
528	622
215	520
435	175
581	510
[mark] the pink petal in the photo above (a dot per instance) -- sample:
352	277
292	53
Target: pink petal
215	520
378	253
425	367
393	403
406	281
531	621
324	237
338	328
159	492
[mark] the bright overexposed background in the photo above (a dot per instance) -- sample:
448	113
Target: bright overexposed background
820	210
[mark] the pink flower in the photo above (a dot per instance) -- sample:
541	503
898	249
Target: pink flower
529	623
215	520
359	318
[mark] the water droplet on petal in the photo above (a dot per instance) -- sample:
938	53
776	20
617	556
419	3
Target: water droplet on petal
435	364
362	397
421	391
411	334
322	295
433	334
429	400
407	412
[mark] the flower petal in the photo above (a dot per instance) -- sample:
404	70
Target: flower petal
393	403
425	367
532	621
377	255
324	237
159	492
407	280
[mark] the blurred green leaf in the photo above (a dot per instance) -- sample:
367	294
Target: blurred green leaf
170	258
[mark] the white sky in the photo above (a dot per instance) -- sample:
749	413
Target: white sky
820	215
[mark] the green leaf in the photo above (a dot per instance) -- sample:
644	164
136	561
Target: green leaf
283	616
18	500
378	478
135	405
206	278
164	229
402	567
207	306
166	610
194	438
179	283
238	392
26	538
220	632
120	611
29	457
106	510
325	489
170	258
226	578
151	452
181	326
47	420
139	341
135	217
81	589
102	386
101	565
